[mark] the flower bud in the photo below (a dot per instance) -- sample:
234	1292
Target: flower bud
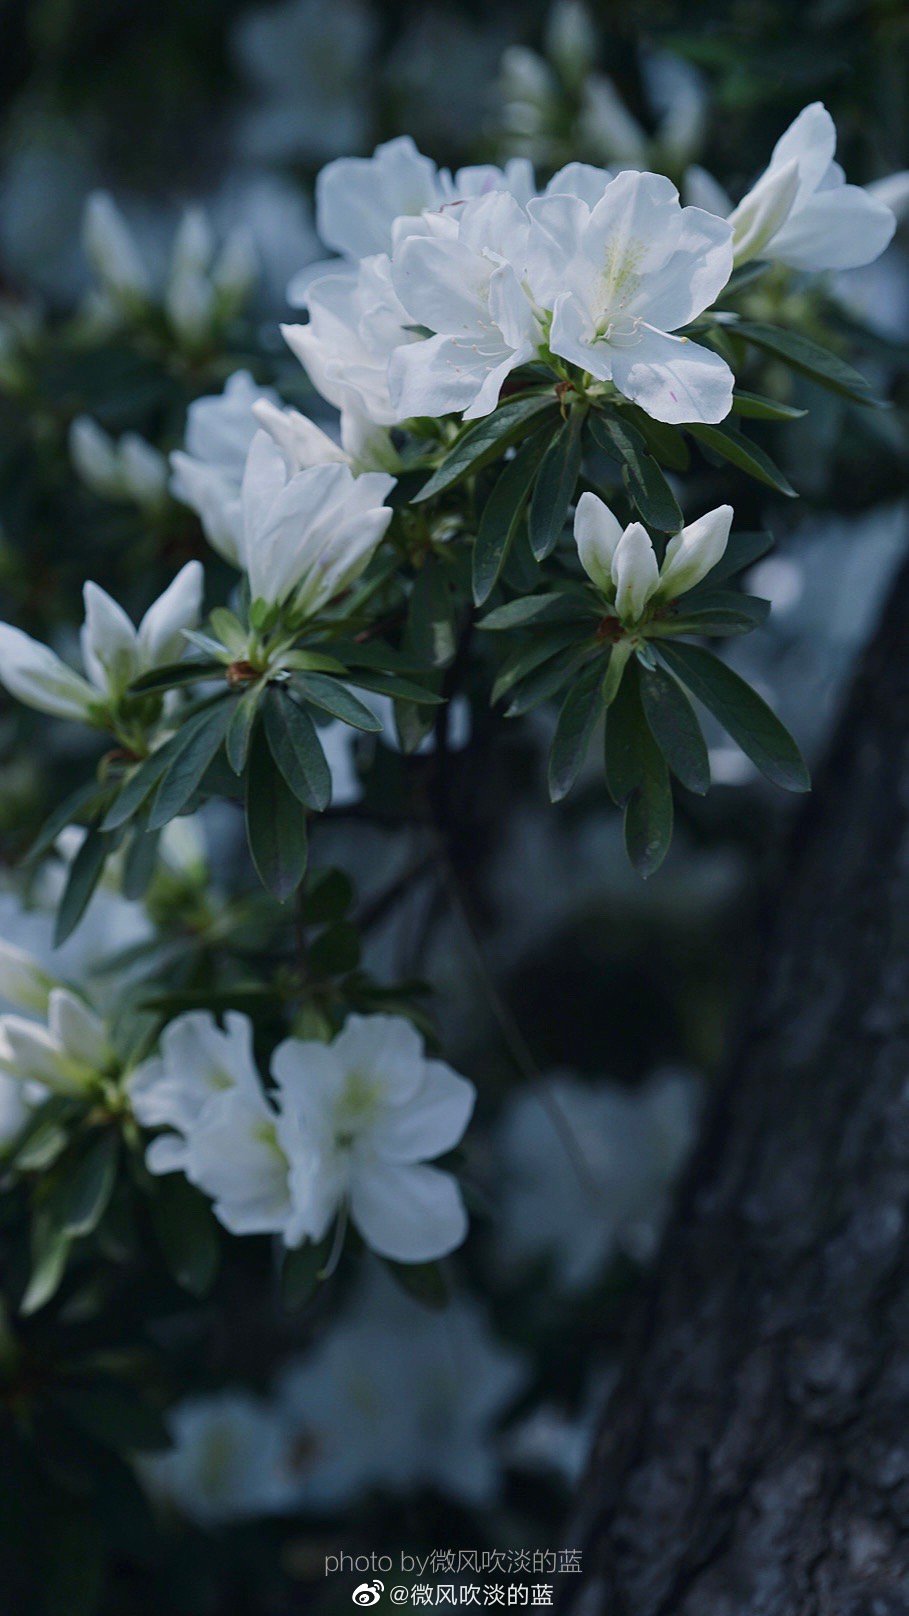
596	534
22	980
763	212
111	249
691	554
634	572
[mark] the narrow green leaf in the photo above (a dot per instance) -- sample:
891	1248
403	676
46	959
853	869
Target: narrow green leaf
675	728
544	683
555	607
577	719
733	446
527	656
666	443
176	673
431	630
50	1246
638	778
141	783
752	407
88	799
741	711
296	749
501	515
84	874
140	863
389	684
190	761
240	727
275	823
555	485
331	696
487	439
645	482
807	357
84	1185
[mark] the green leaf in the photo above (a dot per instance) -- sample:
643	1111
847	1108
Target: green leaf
191	758
302	1273
328	897
753	407
805	356
141	783
333	697
84	1185
487	439
638	778
412	725
176	673
742	550
187	1233
84	874
425	1282
741	711
501	516
242	722
88	799
296	748
50	1246
529	655
275	823
733	446
675	728
646	484
555	607
389	684
555	485
431	632
666	443
577	719
140	863
543	683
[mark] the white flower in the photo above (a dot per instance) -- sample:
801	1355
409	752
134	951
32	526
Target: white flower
203	286
397	1398
802	213
197	1061
208	472
356	322
229	1461
127	469
23	981
623	564
67	1055
112	250
375	1110
620	278
113	651
307	535
363	447
586	1169
461	283
234	1154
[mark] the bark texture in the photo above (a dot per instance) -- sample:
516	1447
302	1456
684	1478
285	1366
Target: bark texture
755	1458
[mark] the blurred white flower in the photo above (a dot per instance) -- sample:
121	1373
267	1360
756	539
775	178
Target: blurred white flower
586	1170
208	471
374	1110
114	652
802	213
23	981
68	1055
235	1155
398	1398
664	265
113	252
228	1461
128	468
622	563
356	321
197	1060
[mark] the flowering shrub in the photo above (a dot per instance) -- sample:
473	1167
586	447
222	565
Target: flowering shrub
481	474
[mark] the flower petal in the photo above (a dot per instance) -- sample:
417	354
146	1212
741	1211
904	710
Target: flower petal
673	379
596	533
410	1214
430	1122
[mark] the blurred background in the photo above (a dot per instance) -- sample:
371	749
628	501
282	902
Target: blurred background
590	1009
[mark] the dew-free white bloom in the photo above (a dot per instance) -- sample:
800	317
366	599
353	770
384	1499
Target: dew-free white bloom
114	652
307	534
229	1460
620	278
623	564
356	321
128	468
375	1110
197	1060
461	283
112	250
67	1055
802	213
23	981
236	1154
208	471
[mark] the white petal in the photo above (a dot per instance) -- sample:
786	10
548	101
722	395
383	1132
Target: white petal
31	1051
33	674
108	640
429	1123
358	198
303	443
571	336
692	278
582	180
635	572
691	554
167	1154
763	212
161	630
440	376
77	1028
811	140
442	284
410	1214
841	228
596	533
23	982
674	379
388	1047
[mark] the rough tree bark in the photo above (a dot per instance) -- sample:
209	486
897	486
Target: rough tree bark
755	1458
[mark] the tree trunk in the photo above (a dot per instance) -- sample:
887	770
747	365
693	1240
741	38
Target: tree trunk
754	1460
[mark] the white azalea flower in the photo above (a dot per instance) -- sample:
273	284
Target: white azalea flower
374	1110
112	250
802	213
208	471
129	468
356	321
396	1398
113	651
461	283
363	447
620	278
623	564
23	980
197	1060
229	1460
307	534
67	1055
234	1154
586	1170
